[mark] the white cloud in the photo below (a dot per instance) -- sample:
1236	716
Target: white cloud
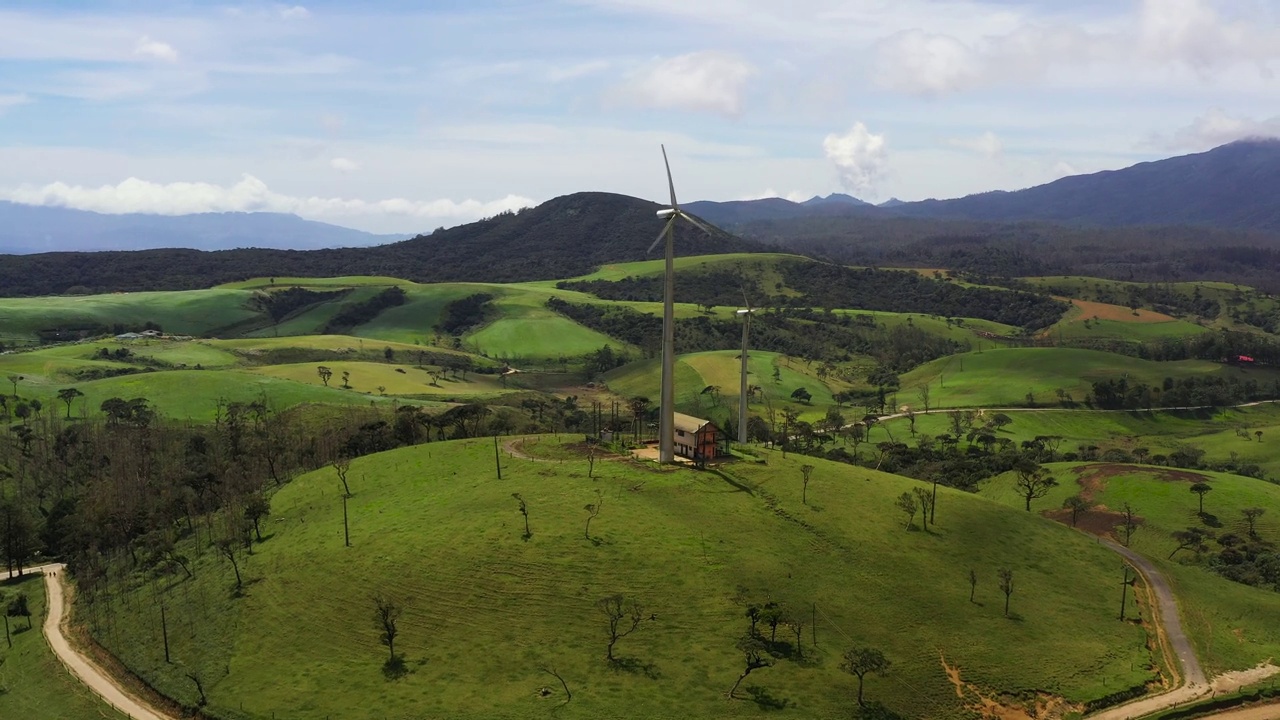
297	12
11	101
248	195
920	62
702	82
1216	128
342	164
860	157
1064	169
148	48
794	196
987	144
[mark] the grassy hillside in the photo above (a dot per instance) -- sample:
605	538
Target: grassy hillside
485	616
33	684
195	312
1233	625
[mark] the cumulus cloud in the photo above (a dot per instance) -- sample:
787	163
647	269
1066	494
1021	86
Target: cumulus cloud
12	101
920	62
702	82
248	195
148	48
1216	128
297	12
987	144
344	165
860	157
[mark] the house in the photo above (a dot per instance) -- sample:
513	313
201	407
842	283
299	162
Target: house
697	439
129	336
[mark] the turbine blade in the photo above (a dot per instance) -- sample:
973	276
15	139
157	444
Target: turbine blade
670	183
666	229
697	223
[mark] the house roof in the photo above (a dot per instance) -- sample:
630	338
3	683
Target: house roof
689	423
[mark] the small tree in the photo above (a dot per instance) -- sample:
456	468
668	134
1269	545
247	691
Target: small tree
754	654
623	617
1129	523
924	396
1201	489
925	500
255	510
346	379
14	380
1193	538
1034	482
324	373
1251	516
229	548
20	607
861	661
68	396
341	465
593	509
802	395
524	511
1076	504
386	615
805	471
907	504
973	583
1006	587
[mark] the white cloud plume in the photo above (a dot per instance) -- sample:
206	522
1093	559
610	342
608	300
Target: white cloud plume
12	101
860	157
1216	128
987	144
297	12
248	195
342	164
148	48
920	62
702	82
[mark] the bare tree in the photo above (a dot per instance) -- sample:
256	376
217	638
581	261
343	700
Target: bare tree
342	465
924	396
805	471
1006	587
925	500
524	511
754	655
1130	522
861	661
973	583
907	504
229	548
591	460
593	509
386	615
1251	516
1201	489
1034	482
623	618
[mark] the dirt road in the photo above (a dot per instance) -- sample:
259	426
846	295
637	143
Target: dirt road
81	666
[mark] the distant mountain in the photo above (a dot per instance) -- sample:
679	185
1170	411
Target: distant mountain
1234	186
833	199
560	238
737	213
33	229
891	203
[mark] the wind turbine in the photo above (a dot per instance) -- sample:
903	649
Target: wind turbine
742	393
667	408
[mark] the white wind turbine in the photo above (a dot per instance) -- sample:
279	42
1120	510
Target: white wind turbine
742	393
667	409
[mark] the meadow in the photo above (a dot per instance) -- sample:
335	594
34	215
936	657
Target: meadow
489	613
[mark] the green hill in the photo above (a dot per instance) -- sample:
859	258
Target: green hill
487	613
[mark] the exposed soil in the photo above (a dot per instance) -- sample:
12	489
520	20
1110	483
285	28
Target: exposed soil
1044	707
1101	311
1092	478
1097	520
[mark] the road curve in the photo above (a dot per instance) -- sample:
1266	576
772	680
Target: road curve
85	670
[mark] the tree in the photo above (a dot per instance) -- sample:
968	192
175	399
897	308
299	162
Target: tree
924	396
20	607
1034	482
388	353
341	466
1193	538
14	380
925	500
754	654
1129	523
1258	434
623	617
1076	504
861	661
386	615
324	373
346	379
805	471
1006	587
1251	516
907	504
229	548
801	395
255	509
973	583
524	511
68	396
1201	489
593	509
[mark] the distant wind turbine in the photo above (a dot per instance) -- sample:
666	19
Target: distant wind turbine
667	408
742	393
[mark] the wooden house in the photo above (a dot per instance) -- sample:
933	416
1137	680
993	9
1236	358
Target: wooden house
697	439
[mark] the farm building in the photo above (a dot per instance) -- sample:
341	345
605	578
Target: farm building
697	439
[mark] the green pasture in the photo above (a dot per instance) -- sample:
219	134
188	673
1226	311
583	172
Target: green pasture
1003	376
620	271
1232	625
329	283
488	612
967	332
384	379
191	312
33	684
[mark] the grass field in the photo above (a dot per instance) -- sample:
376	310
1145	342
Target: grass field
485	612
1233	625
368	377
1100	321
192	312
33	684
1004	376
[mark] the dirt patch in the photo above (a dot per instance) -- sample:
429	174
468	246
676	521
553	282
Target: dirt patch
1232	681
1092	478
1096	521
1101	311
1044	706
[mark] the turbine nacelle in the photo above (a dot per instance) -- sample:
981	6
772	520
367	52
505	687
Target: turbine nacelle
665	213
674	214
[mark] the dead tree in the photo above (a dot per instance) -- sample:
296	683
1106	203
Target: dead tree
623	618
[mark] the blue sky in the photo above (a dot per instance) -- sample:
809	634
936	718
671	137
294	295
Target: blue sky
404	116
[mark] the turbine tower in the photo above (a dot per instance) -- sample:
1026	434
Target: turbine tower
667	409
742	393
